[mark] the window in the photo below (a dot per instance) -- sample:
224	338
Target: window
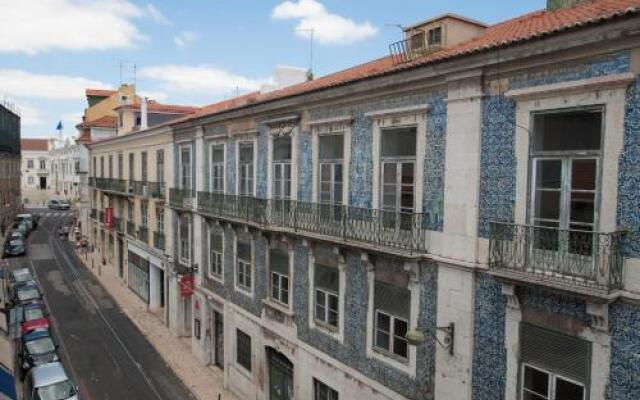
326	280
392	306
323	392
120	119
160	166
245	262
159	218
43	164
435	36
216	243
417	41
538	384
245	168
102	167
120	165
29	164
281	183
95	169
398	158
217	168
144	217
130	211
330	154
565	162
243	349
30	180
279	264
110	166
143	161
132	166
184	239
185	167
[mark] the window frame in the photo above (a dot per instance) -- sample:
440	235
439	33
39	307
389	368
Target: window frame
184	241
399	162
217	255
238	354
217	171
324	322
331	163
247	266
332	394
552	379
185	175
390	351
243	181
279	180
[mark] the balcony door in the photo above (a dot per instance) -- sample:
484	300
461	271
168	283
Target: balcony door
565	191
398	164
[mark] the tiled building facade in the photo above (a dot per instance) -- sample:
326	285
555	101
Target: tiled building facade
10	188
487	200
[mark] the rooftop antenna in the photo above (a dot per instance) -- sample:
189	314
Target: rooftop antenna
311	32
135	74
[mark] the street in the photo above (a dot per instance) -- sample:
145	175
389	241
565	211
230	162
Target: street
101	348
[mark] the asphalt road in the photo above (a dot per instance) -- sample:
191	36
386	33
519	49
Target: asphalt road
107	355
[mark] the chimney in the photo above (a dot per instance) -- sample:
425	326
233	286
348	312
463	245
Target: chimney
556	4
143	114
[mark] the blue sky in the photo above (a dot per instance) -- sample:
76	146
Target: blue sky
192	52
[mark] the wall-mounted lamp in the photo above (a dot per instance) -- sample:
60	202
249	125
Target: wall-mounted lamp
416	337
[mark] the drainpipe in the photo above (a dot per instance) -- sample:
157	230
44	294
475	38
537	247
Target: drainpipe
143	114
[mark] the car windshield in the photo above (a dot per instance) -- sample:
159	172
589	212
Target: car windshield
33	313
41	346
22	275
28	294
57	391
15	243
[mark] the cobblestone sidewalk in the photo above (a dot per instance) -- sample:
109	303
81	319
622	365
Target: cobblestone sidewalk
205	383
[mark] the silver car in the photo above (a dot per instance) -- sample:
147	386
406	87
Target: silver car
49	382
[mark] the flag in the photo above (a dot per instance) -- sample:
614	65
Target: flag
59	127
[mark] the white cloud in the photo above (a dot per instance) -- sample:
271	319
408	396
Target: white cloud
33	27
70	120
20	83
184	38
199	79
29	115
158	16
327	28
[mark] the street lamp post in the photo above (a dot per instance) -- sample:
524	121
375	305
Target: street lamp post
415	337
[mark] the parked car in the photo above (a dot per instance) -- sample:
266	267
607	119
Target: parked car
21	275
34	325
35	311
65	205
16	235
28	219
15	247
26	292
54	204
49	382
21	227
34	349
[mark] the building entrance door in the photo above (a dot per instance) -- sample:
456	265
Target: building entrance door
43	183
280	376
218	339
120	258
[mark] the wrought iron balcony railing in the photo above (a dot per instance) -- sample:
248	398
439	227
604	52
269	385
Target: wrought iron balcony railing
158	240
141	188
403	51
582	261
156	190
392	230
131	228
92	181
182	198
143	234
110	184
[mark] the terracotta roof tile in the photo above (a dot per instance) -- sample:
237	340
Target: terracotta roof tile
100	92
34	144
107	121
526	27
153	106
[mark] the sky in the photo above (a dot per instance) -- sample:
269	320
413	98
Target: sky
193	52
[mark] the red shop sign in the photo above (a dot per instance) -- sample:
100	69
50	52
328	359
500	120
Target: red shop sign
186	285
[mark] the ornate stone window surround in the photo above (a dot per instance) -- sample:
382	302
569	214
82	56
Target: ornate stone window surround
610	93
247	138
280	127
238	288
415	116
331	126
408	366
342	271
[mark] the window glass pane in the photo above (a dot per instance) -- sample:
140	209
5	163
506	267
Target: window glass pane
582	207
279	261
400	328
282	148
244	249
384	322
583	174
536	381
400	347
548	174
389	173
217	153
572	130
398	142
246	152
547	204
330	146
382	340
216	240
326	277
568	391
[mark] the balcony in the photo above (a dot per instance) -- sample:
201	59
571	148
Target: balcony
402	51
585	262
156	190
131	228
158	240
393	231
140	188
109	185
181	198
143	234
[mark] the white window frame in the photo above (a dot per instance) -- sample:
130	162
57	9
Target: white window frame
250	265
336	332
144	214
239	165
181	240
337	126
280	277
316	387
273	133
392	319
553	377
213	254
183	178
159	218
217	169
324	321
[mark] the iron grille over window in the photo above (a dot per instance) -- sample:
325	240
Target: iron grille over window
243	349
